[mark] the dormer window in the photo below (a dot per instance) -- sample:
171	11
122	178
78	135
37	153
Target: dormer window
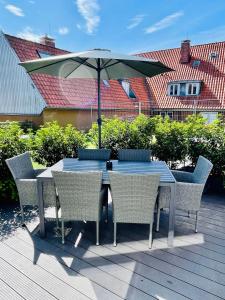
184	88
127	88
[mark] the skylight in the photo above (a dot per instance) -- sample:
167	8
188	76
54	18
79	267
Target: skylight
43	54
106	83
127	88
213	55
196	63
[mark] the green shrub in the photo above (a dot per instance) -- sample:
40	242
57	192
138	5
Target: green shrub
115	135
171	143
12	142
207	140
53	142
142	131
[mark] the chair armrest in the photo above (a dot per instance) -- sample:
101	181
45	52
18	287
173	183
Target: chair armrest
182	176
188	195
39	171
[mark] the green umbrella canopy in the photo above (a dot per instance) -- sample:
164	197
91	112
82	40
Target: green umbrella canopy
98	64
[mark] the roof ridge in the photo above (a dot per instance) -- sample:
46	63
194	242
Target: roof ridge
19	38
192	46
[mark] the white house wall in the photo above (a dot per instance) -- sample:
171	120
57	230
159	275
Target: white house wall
18	94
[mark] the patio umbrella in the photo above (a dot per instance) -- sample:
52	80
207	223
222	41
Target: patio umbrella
99	64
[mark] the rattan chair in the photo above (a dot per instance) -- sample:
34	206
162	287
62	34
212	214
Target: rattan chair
79	196
189	190
134	155
94	154
133	199
25	178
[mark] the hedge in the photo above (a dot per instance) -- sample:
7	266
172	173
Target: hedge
53	142
171	141
12	142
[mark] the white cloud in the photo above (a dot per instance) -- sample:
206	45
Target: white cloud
29	35
164	23
134	22
17	11
89	10
63	30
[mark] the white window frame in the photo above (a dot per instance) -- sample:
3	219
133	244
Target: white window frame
173	85
192	84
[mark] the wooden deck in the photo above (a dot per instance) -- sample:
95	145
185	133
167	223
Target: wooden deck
33	268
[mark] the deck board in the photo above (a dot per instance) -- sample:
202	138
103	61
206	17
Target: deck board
35	268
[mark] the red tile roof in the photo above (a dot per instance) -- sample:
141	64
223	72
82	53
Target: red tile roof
75	93
82	93
210	71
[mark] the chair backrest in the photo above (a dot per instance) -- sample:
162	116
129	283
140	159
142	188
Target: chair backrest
94	154
133	196
202	170
21	166
134	155
79	194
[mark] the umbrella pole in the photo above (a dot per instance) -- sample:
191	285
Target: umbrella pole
99	105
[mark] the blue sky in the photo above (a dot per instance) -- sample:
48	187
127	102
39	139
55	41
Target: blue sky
126	26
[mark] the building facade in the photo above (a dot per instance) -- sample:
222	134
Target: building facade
195	86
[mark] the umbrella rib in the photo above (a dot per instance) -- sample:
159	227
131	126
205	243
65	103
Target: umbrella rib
105	64
76	67
115	63
46	66
87	64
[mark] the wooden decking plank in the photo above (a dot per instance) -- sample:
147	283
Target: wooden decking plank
123	274
209	234
152	271
161	251
133	250
107	282
21	283
7	292
207	219
212	227
60	266
40	276
187	235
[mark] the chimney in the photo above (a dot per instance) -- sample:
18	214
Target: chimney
46	40
185	52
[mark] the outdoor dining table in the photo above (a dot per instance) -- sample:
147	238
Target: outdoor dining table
72	164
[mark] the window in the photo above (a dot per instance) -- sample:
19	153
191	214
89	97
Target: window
43	54
213	55
192	89
184	88
210	116
127	88
166	113
196	63
174	90
106	83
